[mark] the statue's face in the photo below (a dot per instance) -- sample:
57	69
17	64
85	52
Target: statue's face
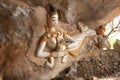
54	20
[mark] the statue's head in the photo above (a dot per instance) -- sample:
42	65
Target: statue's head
53	17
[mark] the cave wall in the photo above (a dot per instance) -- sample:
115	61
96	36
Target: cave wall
22	24
91	12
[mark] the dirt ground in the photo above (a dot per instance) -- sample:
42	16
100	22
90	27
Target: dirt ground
102	66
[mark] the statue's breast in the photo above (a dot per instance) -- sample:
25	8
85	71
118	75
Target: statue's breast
52	43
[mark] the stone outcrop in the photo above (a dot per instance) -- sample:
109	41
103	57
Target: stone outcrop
22	22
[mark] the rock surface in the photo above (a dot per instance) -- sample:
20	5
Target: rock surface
22	23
